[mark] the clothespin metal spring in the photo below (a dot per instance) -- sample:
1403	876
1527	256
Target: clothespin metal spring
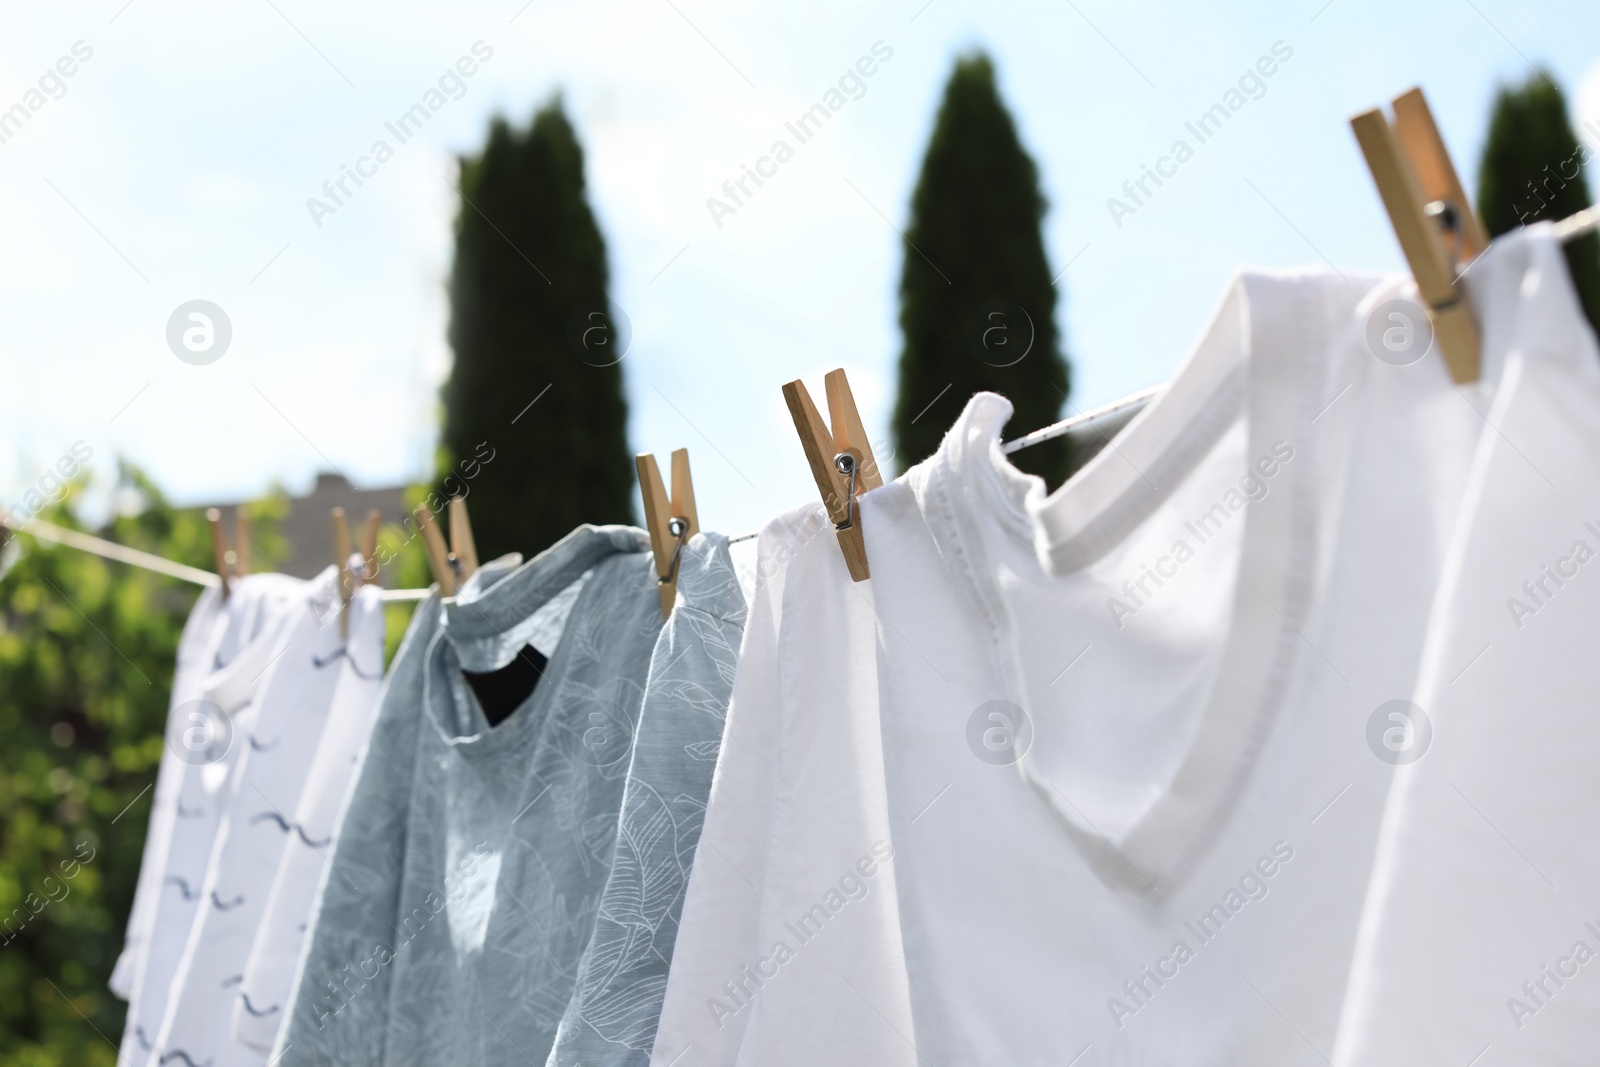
679	528
845	463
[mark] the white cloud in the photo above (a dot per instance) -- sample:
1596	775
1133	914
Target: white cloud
1586	105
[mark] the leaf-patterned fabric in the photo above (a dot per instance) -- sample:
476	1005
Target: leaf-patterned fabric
470	863
611	1019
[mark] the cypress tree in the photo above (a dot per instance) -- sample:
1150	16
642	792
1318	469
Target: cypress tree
1532	170
976	305
529	321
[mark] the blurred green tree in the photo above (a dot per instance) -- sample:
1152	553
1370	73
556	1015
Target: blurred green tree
87	649
977	306
1532	170
537	382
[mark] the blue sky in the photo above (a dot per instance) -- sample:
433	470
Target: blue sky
176	162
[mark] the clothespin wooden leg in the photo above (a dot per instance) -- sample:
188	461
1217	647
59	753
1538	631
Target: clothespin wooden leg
848	433
683	506
438	554
1430	159
369	545
219	547
657	519
462	546
1454	325
823	449
342	576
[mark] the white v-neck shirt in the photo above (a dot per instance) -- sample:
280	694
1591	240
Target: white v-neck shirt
1123	727
1482	929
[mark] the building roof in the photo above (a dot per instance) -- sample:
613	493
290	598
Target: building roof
308	528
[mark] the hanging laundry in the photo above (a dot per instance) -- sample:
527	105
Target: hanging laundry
611	1019
1480	927
206	731
471	858
196	650
296	695
259	1008
789	947
1121	725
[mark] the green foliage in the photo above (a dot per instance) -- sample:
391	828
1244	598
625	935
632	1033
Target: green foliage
976	283
529	275
1533	170
87	649
405	566
268	546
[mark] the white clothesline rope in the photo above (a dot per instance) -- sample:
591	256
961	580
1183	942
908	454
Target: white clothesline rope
99	546
60	535
1574	226
1086	418
392	595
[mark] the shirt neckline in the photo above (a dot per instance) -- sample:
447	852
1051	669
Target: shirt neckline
1264	360
235	685
481	625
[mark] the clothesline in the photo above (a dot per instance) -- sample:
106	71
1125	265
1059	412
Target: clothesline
60	535
99	546
1084	419
1575	226
133	557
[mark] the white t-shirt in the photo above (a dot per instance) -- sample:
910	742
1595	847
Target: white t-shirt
264	793
1482	929
205	735
258	1009
1132	807
788	951
196	647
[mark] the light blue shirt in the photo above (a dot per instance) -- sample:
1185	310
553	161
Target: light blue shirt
471	860
611	1018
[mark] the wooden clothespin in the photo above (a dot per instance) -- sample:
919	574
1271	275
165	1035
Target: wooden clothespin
1432	217
230	562
369	545
438	554
341	561
1424	147
454	565
671	521
462	547
841	461
220	547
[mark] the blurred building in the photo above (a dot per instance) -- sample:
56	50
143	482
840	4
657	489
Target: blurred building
308	528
